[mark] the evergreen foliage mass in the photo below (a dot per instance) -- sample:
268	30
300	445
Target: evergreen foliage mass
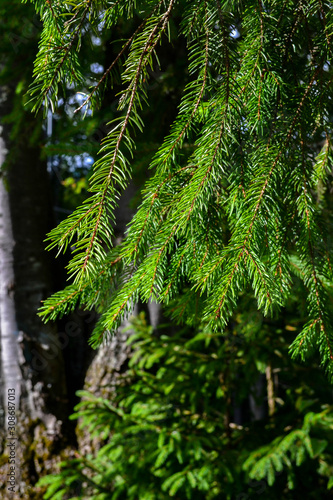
168	431
236	197
236	209
19	27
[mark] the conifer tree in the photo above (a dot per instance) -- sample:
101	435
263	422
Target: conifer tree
237	205
170	429
236	197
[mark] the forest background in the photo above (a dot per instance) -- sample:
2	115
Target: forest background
192	413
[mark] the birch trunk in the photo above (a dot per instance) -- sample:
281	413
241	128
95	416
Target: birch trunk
11	375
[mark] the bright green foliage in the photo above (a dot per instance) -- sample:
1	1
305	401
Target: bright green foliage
237	191
168	431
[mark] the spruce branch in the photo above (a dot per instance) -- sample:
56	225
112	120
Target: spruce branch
67	49
148	48
49	3
238	190
164	155
117	58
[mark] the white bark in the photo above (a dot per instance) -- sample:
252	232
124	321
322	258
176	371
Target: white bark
10	367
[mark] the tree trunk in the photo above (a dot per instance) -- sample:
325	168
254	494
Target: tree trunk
31	355
11	376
